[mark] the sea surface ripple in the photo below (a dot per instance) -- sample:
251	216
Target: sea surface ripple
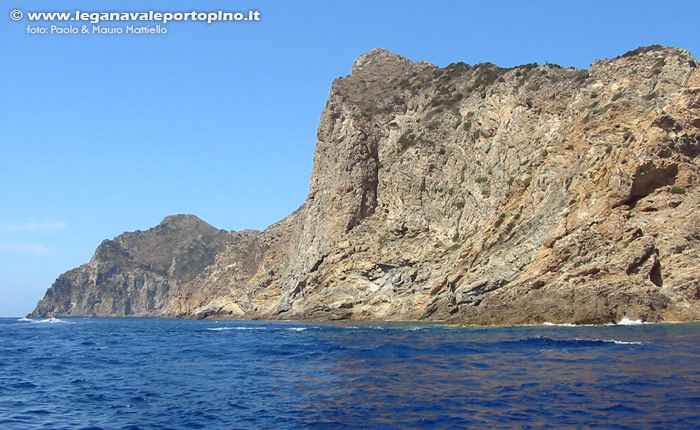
175	374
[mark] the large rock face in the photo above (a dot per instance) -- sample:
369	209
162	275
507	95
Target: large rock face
470	194
137	274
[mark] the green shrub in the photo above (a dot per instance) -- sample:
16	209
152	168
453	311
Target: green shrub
459	205
677	190
524	72
455	238
461	175
487	74
511	180
445	100
369	112
481	179
603	109
433	125
641	50
618	95
581	76
407	140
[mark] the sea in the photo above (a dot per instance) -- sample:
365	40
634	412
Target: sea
180	374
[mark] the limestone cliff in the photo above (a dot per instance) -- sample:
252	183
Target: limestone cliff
477	194
137	274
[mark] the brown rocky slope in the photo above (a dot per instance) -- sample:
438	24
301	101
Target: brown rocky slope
478	195
137	274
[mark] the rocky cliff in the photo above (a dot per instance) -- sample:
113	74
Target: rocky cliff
137	274
468	194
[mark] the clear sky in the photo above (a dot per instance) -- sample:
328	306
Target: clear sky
105	134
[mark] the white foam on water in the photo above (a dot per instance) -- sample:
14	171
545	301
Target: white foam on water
616	342
622	342
51	320
235	328
297	328
625	321
24	319
549	324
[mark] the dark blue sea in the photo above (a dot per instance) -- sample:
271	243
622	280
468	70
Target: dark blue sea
174	374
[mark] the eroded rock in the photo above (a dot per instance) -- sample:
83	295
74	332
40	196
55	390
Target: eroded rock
471	194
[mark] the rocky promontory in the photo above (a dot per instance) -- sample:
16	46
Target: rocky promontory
137	274
466	194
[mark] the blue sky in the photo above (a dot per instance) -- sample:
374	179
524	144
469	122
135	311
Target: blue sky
105	134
